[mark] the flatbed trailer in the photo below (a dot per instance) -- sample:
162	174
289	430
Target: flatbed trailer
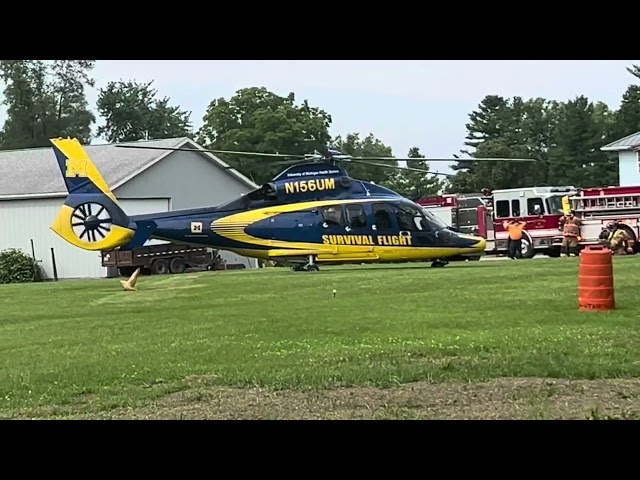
162	259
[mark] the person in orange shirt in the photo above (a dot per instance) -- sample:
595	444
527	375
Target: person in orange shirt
514	245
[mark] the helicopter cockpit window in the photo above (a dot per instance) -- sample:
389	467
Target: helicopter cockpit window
414	218
433	221
411	219
332	216
356	216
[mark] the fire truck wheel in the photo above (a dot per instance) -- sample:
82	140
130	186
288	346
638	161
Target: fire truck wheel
633	237
527	247
553	252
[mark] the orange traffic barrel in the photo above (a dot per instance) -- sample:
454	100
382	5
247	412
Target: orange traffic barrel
595	285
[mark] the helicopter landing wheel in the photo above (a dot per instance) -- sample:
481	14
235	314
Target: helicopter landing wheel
311	265
439	263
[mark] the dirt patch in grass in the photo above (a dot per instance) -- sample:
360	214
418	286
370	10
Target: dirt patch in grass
522	398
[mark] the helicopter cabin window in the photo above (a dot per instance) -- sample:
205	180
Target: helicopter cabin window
515	208
356	216
382	216
502	209
332	216
535	206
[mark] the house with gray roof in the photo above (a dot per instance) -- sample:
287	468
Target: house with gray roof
32	191
628	149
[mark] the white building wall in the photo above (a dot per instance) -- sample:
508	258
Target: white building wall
629	168
24	220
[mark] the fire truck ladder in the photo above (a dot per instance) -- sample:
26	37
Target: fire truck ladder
606	204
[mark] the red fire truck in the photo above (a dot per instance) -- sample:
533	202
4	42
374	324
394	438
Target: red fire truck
597	207
484	214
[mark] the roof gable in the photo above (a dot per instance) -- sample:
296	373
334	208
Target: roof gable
35	172
630	142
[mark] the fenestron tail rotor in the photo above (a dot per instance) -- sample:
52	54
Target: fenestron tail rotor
91	222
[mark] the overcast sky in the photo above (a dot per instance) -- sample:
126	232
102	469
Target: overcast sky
404	103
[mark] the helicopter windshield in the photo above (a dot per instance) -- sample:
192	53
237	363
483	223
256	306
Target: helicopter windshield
414	218
434	220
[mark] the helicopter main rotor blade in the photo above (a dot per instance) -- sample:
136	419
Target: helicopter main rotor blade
330	157
481	159
453	159
285	162
398	167
233	152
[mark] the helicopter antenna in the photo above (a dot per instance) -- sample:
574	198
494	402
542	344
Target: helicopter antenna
365	188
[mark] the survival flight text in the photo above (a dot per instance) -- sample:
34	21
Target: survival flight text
382	240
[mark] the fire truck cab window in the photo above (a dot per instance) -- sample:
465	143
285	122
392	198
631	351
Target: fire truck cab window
356	217
502	209
555	204
515	208
532	203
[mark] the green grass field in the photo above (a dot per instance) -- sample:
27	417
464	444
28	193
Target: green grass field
488	339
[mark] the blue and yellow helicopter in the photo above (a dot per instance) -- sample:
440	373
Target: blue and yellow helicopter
312	213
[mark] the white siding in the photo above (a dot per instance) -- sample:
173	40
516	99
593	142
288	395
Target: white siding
24	220
629	168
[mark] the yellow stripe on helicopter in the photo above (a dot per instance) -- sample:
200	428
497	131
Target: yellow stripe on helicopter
232	227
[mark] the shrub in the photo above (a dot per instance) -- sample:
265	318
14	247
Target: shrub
18	267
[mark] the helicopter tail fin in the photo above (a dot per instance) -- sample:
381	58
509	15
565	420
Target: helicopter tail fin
90	217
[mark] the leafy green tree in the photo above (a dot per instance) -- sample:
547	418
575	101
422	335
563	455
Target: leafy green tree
45	100
370	146
132	111
495	129
257	120
412	184
575	158
627	119
563	137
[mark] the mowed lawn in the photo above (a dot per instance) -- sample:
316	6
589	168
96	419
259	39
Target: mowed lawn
63	343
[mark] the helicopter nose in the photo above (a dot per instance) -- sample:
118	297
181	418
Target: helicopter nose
480	245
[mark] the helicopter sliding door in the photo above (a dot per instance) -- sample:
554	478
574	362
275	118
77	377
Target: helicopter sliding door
388	237
349	229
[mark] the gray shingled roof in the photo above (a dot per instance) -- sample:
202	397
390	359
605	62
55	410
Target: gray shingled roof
35	171
630	142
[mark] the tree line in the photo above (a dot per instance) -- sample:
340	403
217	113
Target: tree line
564	136
47	99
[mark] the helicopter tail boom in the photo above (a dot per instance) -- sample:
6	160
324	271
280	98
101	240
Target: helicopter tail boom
90	217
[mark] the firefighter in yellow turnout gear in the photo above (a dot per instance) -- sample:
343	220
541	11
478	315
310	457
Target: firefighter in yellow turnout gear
618	239
570	227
